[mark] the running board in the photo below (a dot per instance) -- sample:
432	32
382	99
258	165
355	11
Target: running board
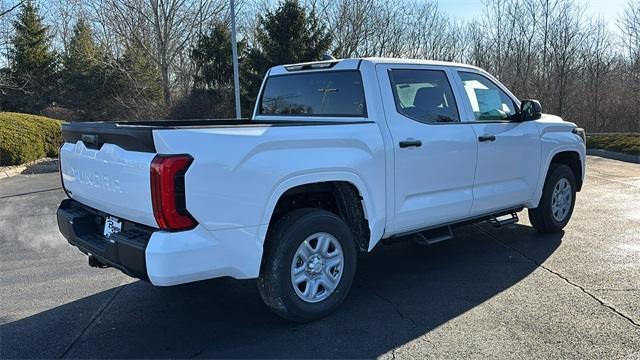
504	219
429	237
428	232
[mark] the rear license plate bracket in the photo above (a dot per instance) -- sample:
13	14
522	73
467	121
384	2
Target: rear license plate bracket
112	225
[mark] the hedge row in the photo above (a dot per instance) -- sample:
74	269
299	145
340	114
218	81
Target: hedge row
24	138
624	143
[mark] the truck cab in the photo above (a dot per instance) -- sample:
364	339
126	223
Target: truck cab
338	156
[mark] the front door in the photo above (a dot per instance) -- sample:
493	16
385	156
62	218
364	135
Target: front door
508	149
434	154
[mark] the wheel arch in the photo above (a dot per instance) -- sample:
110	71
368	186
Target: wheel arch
569	156
572	159
352	202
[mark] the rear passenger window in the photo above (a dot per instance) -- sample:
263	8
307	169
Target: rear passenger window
337	93
424	95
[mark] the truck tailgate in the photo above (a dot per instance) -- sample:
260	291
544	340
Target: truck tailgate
111	179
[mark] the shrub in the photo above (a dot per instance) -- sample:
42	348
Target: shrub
24	138
205	104
624	143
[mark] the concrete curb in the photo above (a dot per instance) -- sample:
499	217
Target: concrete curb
40	166
614	155
12	171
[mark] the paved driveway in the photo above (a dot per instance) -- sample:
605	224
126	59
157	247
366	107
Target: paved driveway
499	293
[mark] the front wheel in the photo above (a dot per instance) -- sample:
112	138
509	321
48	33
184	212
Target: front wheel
308	265
557	201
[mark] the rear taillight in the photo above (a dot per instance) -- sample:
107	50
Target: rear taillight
167	192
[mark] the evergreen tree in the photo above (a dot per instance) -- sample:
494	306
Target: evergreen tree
84	77
290	35
284	36
137	85
32	63
212	94
212	59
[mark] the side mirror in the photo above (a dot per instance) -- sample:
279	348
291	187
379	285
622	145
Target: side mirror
530	110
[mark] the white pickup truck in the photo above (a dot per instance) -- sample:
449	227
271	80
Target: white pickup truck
338	156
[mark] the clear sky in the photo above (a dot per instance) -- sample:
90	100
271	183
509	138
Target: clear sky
466	9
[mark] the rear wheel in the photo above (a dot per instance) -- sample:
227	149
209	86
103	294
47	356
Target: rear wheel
557	201
308	265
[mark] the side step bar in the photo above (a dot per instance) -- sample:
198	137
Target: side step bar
429	237
504	219
425	237
432	235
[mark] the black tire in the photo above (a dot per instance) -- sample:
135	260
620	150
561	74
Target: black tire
274	282
542	217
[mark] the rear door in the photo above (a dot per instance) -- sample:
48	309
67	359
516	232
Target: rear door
508	150
434	153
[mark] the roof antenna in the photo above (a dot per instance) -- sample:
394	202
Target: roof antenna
327	56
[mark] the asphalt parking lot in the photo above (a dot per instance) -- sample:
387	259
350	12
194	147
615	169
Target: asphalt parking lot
498	293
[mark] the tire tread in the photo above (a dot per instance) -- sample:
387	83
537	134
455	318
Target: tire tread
541	218
272	286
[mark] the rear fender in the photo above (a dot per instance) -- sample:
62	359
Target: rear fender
374	216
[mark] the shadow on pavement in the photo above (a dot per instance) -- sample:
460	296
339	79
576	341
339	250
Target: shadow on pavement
400	293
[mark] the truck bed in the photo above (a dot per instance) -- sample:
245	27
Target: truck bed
138	135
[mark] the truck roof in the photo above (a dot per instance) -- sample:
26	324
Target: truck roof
354	63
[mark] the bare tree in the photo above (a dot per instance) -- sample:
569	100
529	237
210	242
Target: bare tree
349	22
7	9
164	28
597	71
630	34
630	29
431	35
61	16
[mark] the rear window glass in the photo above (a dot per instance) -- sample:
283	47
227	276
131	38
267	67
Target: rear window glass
337	93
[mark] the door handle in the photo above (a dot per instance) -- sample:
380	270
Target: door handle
484	138
410	142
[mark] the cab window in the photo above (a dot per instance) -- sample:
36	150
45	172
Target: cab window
324	93
488	101
424	95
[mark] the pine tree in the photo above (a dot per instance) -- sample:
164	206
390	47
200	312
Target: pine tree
137	84
32	63
290	35
212	94
82	54
284	36
212	58
83	76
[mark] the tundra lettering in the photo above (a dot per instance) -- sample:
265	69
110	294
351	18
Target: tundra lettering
95	179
